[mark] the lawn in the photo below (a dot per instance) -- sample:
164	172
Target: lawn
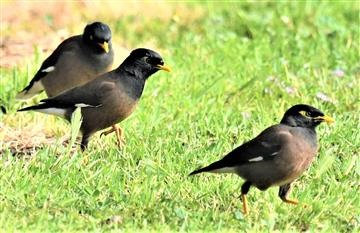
236	69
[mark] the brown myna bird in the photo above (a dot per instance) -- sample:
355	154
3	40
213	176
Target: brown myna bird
108	99
74	62
277	156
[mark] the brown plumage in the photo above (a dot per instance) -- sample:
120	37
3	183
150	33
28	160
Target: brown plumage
74	62
108	99
277	156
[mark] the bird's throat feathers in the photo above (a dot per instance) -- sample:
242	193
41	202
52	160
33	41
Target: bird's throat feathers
310	136
130	83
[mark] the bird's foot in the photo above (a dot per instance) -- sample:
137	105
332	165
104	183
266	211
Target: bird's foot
119	135
85	160
245	205
105	133
294	202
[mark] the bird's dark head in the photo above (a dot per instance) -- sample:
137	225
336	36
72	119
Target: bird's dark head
143	63
302	115
98	36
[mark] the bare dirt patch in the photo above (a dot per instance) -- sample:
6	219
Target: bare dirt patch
24	141
26	25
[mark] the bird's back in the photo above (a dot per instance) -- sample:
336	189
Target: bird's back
75	66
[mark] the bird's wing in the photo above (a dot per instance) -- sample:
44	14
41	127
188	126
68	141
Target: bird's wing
88	95
47	66
265	146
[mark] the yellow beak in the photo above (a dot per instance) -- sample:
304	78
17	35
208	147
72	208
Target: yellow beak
105	46
327	119
164	67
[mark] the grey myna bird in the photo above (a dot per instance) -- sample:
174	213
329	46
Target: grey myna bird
277	156
108	99
74	62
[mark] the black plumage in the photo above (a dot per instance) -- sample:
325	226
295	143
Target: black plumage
108	99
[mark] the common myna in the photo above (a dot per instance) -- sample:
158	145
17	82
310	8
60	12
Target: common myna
108	99
74	62
277	156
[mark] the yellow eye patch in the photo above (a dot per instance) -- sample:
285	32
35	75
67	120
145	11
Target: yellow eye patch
304	113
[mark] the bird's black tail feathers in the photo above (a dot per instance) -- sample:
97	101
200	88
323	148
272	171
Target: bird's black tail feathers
49	103
35	107
216	165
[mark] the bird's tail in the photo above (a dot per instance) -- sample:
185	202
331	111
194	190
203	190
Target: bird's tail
35	107
216	167
31	90
204	169
47	108
24	95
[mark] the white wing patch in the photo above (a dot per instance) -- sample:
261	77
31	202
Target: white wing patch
260	158
82	105
49	69
275	153
256	159
53	111
224	170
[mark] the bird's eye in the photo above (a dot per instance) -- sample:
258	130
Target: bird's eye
147	60
305	113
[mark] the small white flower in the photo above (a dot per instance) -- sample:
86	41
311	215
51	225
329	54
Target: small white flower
323	97
290	90
338	73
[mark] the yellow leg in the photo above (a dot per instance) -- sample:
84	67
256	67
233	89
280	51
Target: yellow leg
284	192
294	202
105	133
119	134
245	205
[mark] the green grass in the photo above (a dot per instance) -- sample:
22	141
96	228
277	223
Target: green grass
218	95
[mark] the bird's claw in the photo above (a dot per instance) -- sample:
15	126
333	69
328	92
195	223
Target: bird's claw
119	135
103	134
294	202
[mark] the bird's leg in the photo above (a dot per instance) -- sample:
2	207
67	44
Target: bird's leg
105	133
84	141
119	134
284	192
244	190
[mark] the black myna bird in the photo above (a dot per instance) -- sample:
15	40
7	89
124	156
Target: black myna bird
108	99
277	156
74	62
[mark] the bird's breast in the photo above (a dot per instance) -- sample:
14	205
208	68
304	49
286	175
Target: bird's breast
294	161
120	106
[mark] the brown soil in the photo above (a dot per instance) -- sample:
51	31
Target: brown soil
26	25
